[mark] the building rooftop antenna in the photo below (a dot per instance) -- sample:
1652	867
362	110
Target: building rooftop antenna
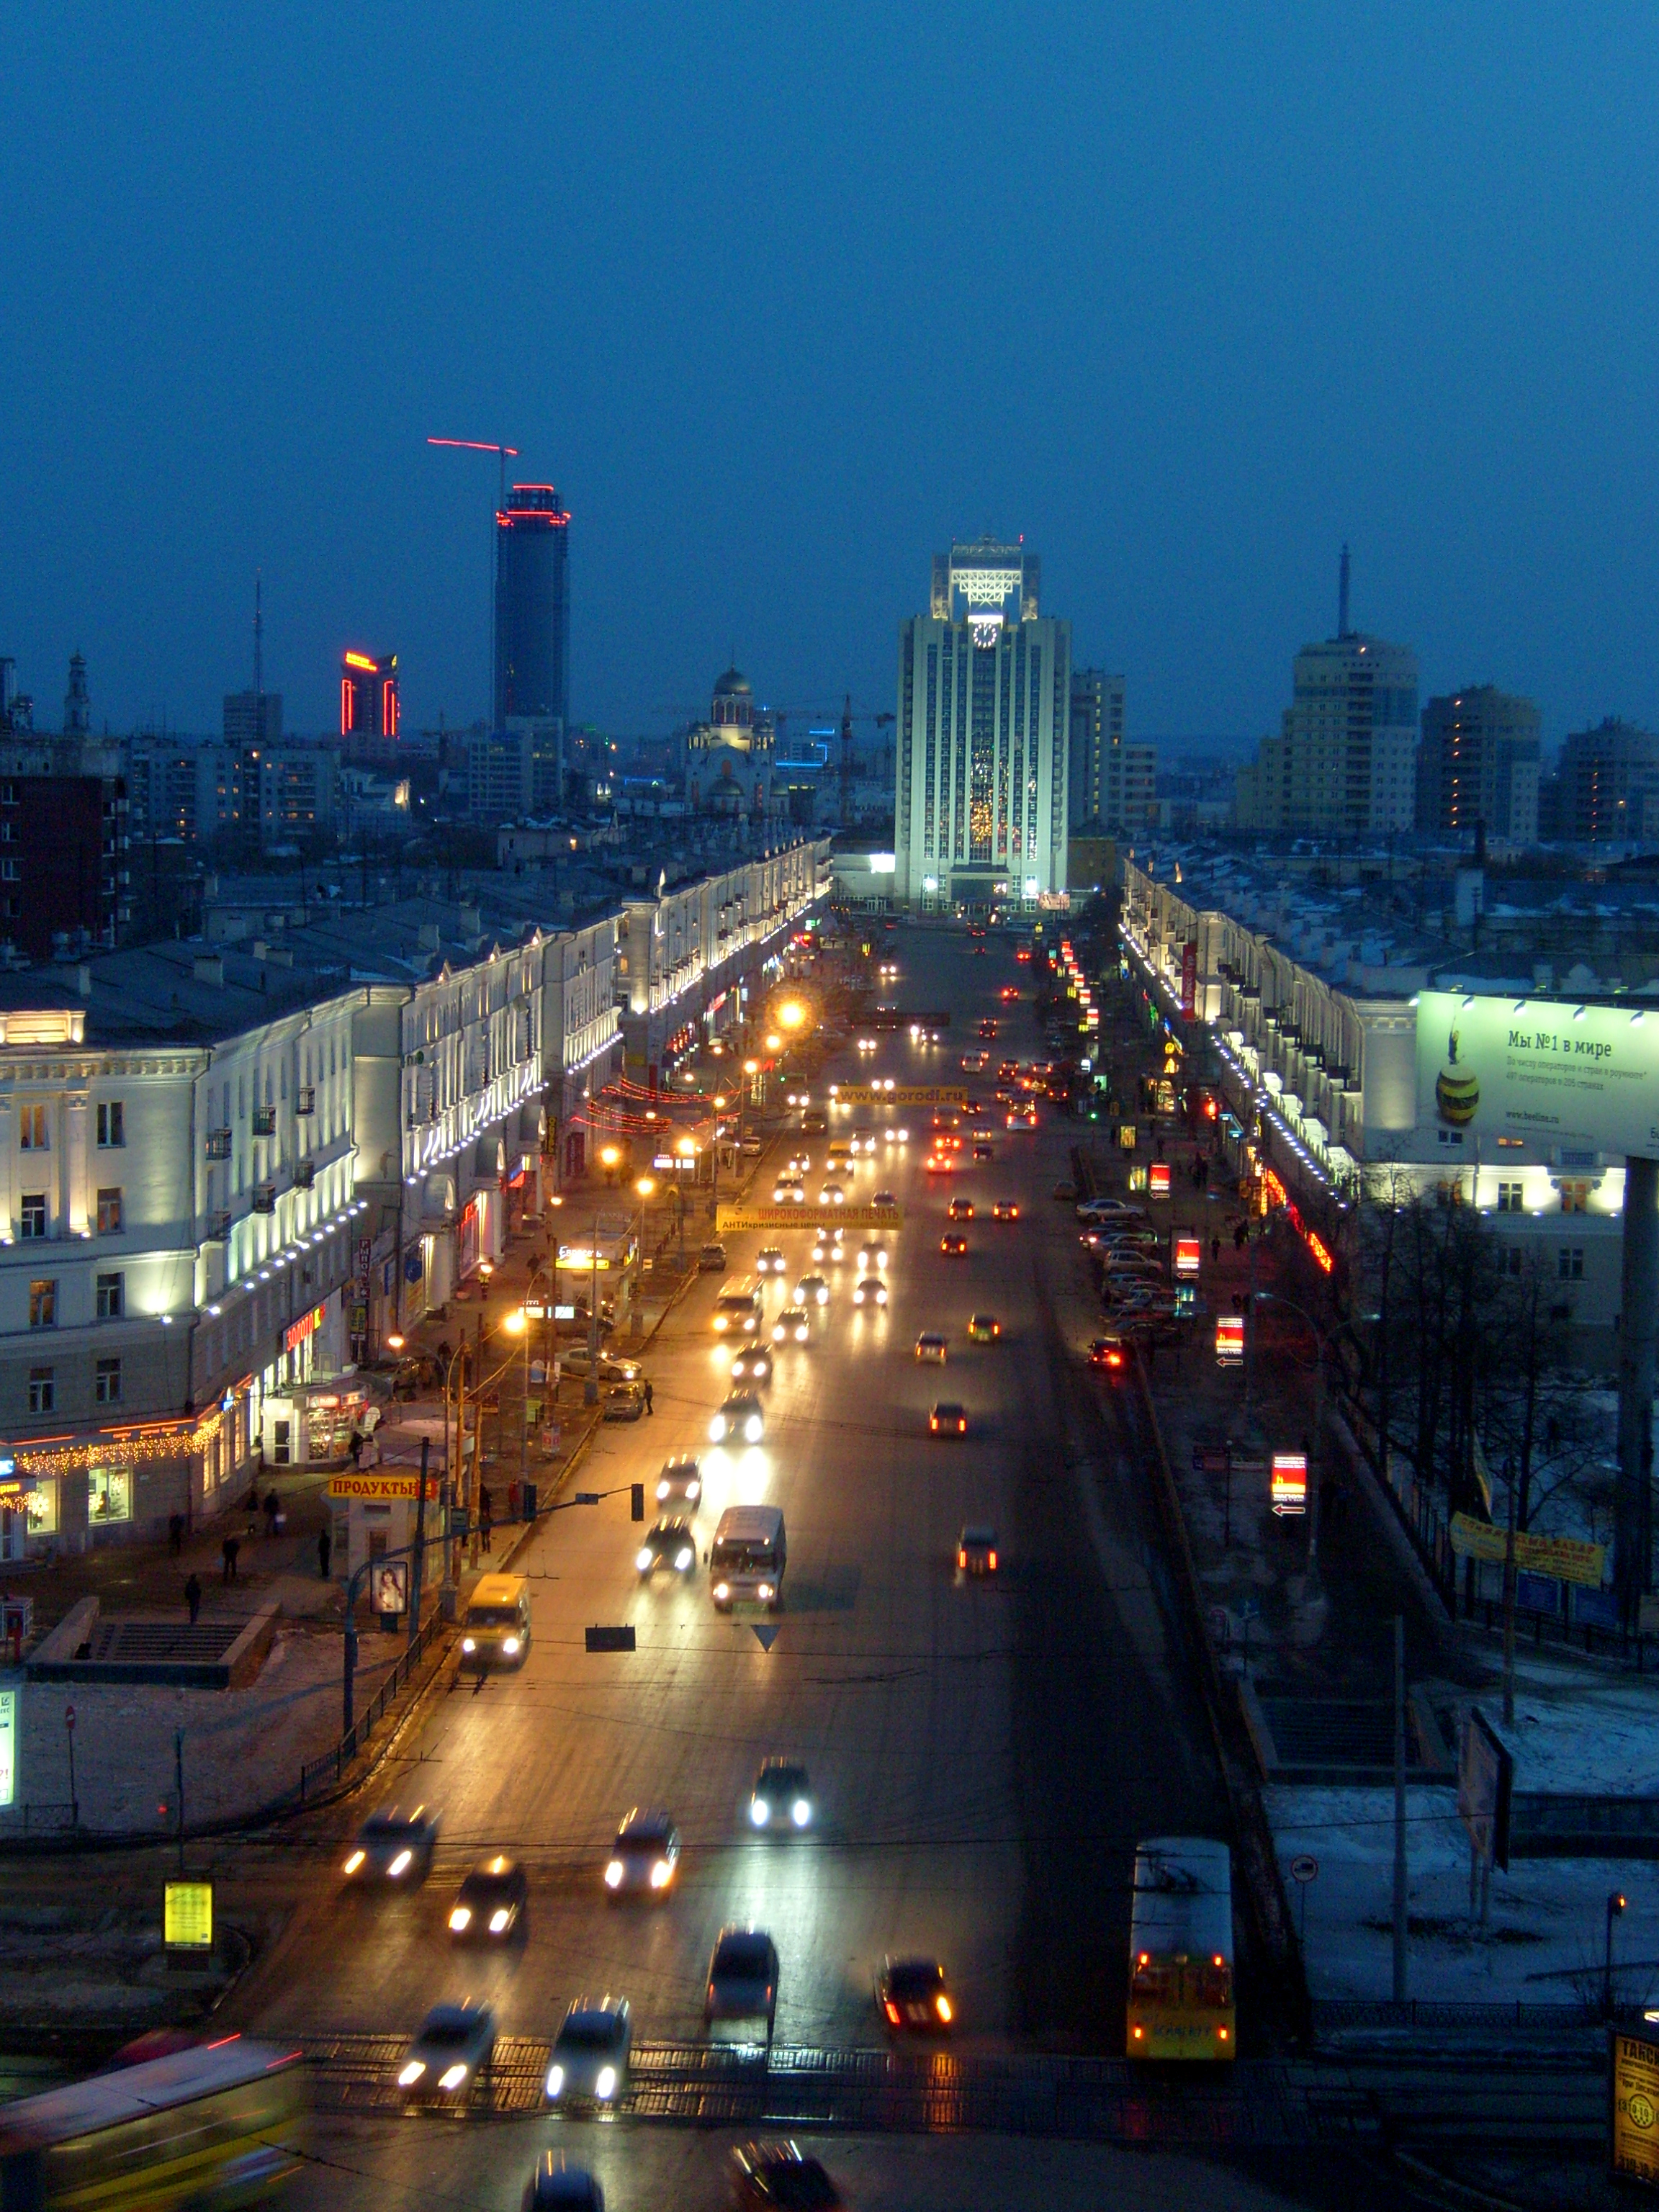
1342	630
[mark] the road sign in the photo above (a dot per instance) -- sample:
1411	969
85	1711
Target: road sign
610	1639
1305	1867
1210	1459
69	1717
586	1498
766	1633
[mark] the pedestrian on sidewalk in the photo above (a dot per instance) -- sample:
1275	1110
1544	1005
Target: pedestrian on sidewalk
486	1520
227	1552
649	1408
193	1596
325	1550
1215	1251
175	1534
273	1508
355	1447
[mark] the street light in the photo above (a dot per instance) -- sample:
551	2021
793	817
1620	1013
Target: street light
1615	1906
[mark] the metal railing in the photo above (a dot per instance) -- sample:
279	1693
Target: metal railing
324	1771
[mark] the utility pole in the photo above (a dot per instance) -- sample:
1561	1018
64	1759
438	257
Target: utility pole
478	1437
1400	1924
591	1388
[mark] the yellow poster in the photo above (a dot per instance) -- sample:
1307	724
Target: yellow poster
187	1916
1567	1558
1635	2095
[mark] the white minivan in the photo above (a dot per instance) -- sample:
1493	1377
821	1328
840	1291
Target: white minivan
746	1564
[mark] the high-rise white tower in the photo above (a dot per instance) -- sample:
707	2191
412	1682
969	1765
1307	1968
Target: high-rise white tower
984	702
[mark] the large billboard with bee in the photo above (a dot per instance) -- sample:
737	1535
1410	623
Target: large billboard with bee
1585	1078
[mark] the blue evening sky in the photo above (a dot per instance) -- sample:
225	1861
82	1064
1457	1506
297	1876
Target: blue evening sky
781	297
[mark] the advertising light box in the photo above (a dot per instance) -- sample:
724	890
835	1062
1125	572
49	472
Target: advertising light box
1582	1077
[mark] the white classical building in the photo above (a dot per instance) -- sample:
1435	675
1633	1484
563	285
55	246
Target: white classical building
984	729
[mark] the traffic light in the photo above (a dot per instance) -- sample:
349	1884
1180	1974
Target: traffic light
637	1502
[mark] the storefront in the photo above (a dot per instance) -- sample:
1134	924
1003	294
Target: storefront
73	1491
311	1425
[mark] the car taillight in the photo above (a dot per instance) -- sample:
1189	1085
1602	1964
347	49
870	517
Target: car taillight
993	1562
961	1558
892	2012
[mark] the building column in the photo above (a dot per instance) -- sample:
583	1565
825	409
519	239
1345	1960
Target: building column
1639	1314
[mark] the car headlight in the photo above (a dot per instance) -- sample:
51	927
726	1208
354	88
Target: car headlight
605	2085
717	1428
411	2073
662	1492
555	2080
765	1590
400	1864
759	1811
684	1558
722	1591
642	1558
753	1428
510	1646
461	1919
613	1874
662	1874
354	1862
943	2007
694	1490
468	1644
801	1812
499	1919
452	2077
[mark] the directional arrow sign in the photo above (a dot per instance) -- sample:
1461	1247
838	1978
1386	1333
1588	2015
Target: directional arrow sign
766	1633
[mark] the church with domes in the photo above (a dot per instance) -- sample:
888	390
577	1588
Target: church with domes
728	758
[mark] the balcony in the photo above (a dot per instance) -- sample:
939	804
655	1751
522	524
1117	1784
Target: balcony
264	1123
305	1175
218	1144
264	1198
306	1103
218	1227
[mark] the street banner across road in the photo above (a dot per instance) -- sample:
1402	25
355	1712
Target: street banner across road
1567	1558
809	1217
903	1094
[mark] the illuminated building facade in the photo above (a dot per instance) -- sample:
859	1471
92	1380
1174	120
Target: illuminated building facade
368	705
532	608
984	728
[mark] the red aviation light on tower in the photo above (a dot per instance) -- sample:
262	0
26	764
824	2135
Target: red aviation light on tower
533	506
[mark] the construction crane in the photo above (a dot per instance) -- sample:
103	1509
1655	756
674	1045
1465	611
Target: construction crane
879	719
503	453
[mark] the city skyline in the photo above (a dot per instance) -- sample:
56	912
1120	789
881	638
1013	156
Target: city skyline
1209	421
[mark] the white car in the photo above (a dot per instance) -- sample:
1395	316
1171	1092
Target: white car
455	2043
769	1260
681	1477
812	1291
897	1136
870	1290
645	1854
792	1326
741	1420
788	1190
872	1259
588	2063
833	1193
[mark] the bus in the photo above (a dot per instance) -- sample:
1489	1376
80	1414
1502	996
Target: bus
1181	1951
746	1564
737	1307
218	2124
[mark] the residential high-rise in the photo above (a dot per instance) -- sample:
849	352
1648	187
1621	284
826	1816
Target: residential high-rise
984	730
1477	764
532	608
77	707
1343	762
1607	785
253	718
1096	728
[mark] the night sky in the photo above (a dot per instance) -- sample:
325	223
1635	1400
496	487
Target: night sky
783	297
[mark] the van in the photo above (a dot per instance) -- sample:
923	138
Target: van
496	1630
746	1562
737	1307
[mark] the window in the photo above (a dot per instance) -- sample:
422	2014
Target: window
112	1297
1509	1198
43	1303
106	1382
109	1212
1509	1263
1575	1198
1449	1136
41	1507
1570	1263
32	1129
32	1217
111	1125
7	869
109	1495
43	1389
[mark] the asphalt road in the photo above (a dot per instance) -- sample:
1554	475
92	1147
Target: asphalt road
984	1756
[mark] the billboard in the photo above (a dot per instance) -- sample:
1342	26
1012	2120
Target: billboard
1582	1077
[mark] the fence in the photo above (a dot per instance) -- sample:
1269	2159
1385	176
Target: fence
324	1771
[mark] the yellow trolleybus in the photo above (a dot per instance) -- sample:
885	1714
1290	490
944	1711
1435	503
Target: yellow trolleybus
1181	1951
219	2125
